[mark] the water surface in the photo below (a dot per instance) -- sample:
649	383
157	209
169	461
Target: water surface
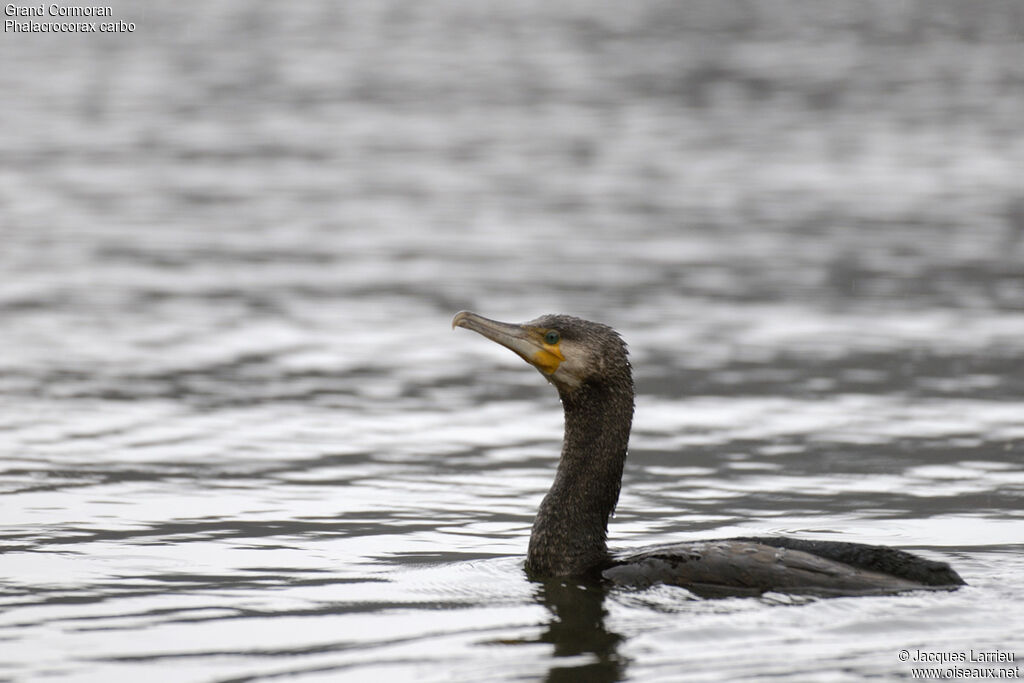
240	442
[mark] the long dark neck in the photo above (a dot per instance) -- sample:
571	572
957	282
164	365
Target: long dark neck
569	533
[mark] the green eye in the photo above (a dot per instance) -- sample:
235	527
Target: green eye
551	338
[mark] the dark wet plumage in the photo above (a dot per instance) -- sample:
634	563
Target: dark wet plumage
588	364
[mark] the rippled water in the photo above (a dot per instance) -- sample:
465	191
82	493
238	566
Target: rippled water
240	441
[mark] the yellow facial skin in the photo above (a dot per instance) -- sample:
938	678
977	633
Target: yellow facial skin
549	357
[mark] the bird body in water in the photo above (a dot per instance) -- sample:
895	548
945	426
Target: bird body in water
588	364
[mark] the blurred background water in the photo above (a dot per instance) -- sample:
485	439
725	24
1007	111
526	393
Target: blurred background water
239	441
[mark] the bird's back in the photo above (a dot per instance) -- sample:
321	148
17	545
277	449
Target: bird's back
751	566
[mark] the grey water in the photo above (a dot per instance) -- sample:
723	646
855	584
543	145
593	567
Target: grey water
239	441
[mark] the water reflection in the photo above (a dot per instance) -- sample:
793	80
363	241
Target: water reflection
577	630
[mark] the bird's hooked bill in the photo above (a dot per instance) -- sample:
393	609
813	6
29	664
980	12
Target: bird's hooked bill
526	340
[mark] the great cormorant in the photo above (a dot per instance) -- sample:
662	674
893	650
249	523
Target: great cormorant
588	364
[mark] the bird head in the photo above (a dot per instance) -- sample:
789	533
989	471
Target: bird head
570	352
